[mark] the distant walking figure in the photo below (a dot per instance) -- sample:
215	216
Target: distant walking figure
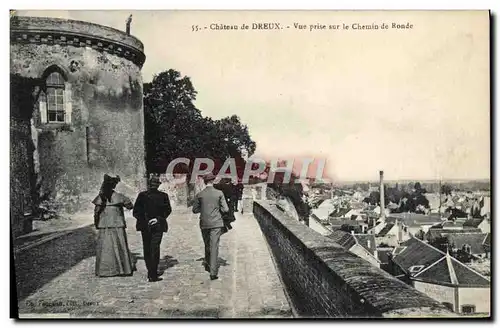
113	257
151	210
211	203
227	189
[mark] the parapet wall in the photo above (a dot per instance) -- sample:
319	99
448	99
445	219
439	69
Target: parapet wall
324	280
44	30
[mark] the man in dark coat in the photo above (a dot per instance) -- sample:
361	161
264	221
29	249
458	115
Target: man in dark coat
211	204
226	187
234	196
151	210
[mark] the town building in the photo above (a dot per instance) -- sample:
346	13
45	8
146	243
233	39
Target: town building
442	277
434	234
363	245
392	234
480	223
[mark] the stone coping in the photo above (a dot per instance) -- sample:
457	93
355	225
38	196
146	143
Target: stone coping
386	294
46	30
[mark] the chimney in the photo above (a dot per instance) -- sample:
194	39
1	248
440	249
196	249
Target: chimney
400	231
382	196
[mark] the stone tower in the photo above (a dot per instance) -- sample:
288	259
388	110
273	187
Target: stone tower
85	117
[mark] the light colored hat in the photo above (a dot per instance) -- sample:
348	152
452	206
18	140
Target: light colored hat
209	177
154	180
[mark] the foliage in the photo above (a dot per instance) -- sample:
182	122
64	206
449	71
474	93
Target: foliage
176	128
446	189
292	190
23	94
413	200
454	213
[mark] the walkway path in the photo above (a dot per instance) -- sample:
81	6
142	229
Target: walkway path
248	284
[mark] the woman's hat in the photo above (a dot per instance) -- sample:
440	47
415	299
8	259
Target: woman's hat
111	179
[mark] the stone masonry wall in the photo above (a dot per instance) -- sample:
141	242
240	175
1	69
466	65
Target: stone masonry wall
76	27
106	133
324	280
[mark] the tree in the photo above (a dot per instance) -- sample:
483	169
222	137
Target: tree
176	128
236	136
172	122
446	189
394	195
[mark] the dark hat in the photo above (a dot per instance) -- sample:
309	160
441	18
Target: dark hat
109	179
209	177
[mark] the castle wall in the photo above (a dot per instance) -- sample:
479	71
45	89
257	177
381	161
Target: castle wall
105	132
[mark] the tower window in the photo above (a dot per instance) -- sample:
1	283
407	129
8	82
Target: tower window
55	98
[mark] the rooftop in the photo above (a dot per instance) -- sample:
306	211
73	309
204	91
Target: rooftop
425	262
474	240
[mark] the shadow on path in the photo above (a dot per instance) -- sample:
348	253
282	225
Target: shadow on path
220	261
165	263
37	266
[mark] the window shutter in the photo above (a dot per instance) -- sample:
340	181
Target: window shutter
42	106
68	107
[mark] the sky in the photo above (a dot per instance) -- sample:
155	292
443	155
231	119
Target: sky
414	103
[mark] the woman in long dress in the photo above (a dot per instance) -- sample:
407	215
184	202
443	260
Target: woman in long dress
113	256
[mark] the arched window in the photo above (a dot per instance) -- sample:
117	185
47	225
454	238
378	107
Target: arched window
55	98
55	103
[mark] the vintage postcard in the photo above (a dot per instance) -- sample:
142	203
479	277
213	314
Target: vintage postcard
250	164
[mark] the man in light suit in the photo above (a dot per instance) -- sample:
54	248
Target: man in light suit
211	203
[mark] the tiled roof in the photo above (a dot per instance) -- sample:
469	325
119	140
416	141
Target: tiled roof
356	205
448	224
342	238
438	267
475	240
323	211
371	214
348	240
416	252
364	239
341	212
338	222
436	233
487	240
383	255
385	230
467	276
473	222
437	272
414	219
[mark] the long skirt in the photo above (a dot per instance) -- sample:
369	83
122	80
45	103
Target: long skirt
113	257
